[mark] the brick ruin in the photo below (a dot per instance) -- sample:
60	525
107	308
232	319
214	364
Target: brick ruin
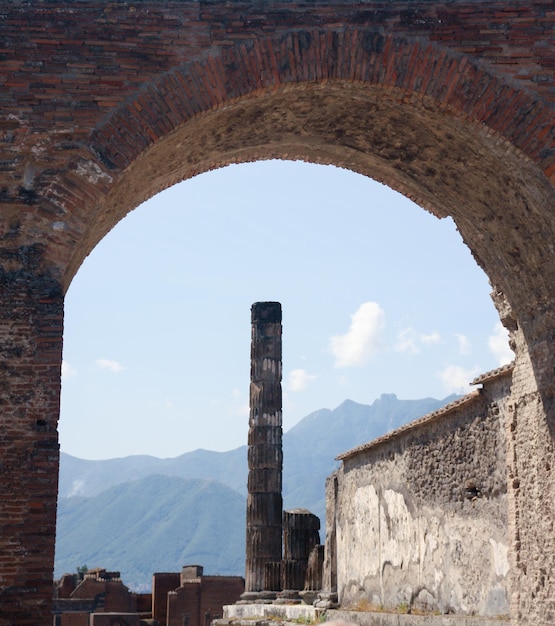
199	599
99	598
106	104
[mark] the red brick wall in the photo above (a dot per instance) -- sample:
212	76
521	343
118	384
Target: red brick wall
144	603
202	597
30	359
217	592
184	604
117	597
73	619
162	583
113	619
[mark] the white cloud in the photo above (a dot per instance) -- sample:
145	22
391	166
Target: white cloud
457	379
429	339
68	371
464	344
108	364
408	340
363	339
498	343
299	379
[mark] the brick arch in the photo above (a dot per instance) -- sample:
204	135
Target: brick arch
450	103
429	122
413	71
463	143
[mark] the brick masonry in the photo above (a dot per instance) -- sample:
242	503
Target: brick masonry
102	105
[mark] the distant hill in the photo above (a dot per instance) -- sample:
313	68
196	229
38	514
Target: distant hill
79	477
311	446
141	514
153	524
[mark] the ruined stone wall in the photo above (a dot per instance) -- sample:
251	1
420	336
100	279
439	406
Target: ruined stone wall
421	515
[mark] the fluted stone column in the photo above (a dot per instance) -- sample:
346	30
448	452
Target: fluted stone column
265	456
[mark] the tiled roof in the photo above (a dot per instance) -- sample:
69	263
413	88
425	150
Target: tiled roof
500	371
430	417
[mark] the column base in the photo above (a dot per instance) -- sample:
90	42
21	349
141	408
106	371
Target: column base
260	597
326	600
288	596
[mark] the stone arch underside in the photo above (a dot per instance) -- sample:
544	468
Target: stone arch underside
443	163
357	100
447	130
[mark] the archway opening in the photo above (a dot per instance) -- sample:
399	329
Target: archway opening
379	297
159	313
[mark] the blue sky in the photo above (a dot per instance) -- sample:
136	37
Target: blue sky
378	296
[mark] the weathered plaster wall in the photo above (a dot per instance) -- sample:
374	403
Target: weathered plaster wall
421	515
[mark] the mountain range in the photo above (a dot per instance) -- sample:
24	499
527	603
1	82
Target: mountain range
142	514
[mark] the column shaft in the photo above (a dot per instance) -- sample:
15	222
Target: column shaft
265	457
